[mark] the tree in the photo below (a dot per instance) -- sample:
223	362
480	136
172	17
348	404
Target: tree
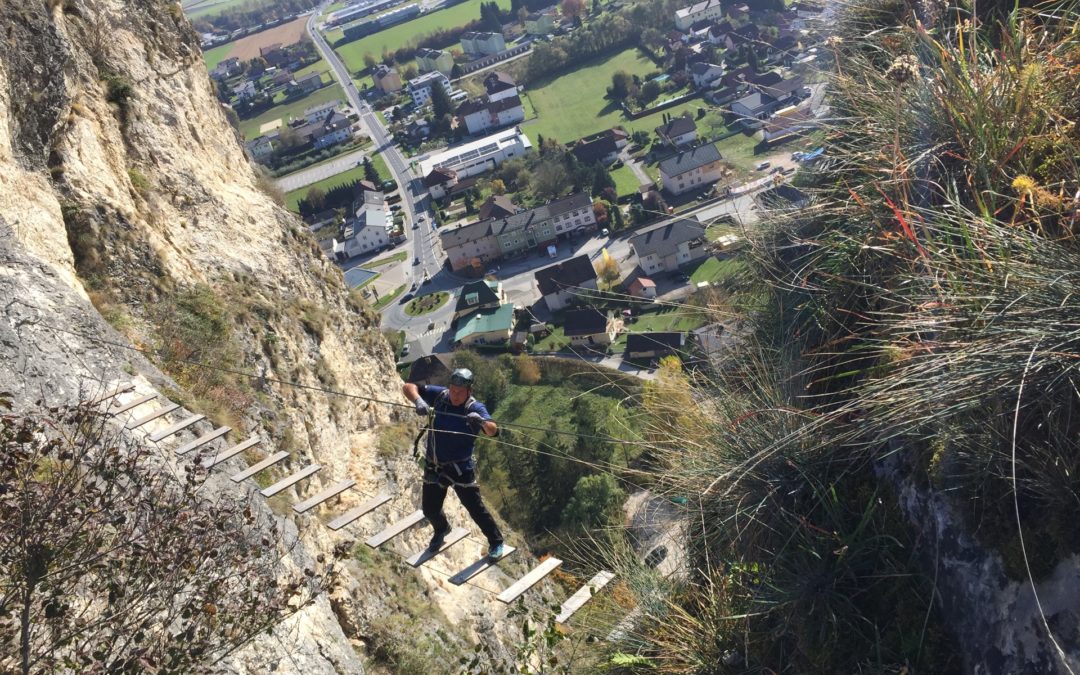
597	8
526	370
550	179
601	179
607	269
370	172
649	91
316	198
617	221
573	8
600	212
440	101
470	203
640	138
498	187
111	561
596	502
620	85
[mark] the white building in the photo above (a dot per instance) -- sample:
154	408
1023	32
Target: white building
420	87
701	11
370	231
317	113
476	45
481	115
479	156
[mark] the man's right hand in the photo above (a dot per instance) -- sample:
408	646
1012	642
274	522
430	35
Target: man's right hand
422	407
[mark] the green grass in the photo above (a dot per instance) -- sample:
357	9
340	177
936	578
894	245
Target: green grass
626	182
320	66
292	199
380	166
425	304
217	55
385	300
715	270
213	7
572	105
397	257
250	127
409	32
667	319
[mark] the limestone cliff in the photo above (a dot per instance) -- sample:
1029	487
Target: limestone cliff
124	194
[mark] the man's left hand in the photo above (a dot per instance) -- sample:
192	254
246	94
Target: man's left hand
475	421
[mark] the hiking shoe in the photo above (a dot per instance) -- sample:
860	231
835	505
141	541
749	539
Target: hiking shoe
495	552
437	540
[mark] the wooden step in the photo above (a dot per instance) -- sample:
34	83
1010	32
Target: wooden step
583	595
529	580
134	403
354	513
256	468
479	566
202	440
288	481
115	391
211	462
456	535
328	493
150	417
394	530
176	428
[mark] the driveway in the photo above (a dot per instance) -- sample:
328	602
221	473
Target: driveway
314	174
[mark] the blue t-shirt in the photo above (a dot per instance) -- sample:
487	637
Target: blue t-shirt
450	439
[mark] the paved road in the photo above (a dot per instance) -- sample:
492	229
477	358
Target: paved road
304	177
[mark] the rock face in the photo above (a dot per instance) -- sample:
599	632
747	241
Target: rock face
124	193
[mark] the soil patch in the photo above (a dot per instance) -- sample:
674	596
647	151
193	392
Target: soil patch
247	48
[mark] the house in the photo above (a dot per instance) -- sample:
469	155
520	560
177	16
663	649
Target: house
601	147
723	95
226	69
245	90
499	85
366	233
434	369
653	345
318	113
367	199
475	245
667	246
787	122
476	295
700	11
476	45
482	115
306	84
738	77
787	91
588	327
642	287
704	74
497	206
429	60
480	155
420	87
749	34
418	129
439	180
282	78
386	79
490	326
260	148
274	55
539	23
782	197
678	131
752	108
561	284
691	169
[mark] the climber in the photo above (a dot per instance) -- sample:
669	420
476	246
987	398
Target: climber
448	459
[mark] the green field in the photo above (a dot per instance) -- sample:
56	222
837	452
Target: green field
211	7
292	199
573	105
403	34
626	183
397	257
250	127
217	55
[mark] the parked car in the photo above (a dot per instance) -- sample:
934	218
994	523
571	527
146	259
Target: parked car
416	260
405	298
763	166
395	207
416	225
405	350
604	232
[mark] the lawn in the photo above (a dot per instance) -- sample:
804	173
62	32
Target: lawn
211	7
380	166
425	304
670	318
250	127
626	182
397	257
390	297
217	55
410	32
572	105
292	199
717	270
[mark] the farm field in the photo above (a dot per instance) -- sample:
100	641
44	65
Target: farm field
566	115
409	32
217	55
208	7
247	48
249	128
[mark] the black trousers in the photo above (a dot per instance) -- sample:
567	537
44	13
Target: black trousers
436	484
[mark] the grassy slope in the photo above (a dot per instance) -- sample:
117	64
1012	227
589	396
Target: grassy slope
403	34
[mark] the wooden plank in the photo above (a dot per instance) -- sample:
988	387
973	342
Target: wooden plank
176	428
150	417
256	468
395	529
479	566
116	391
623	628
328	493
354	513
134	403
529	580
583	595
211	462
306	472
203	440
456	535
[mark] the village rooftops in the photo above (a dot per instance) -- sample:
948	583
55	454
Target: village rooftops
477	294
497	206
697	8
567	274
498	81
661	342
492	107
582	322
664	239
690	160
520	220
676	127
